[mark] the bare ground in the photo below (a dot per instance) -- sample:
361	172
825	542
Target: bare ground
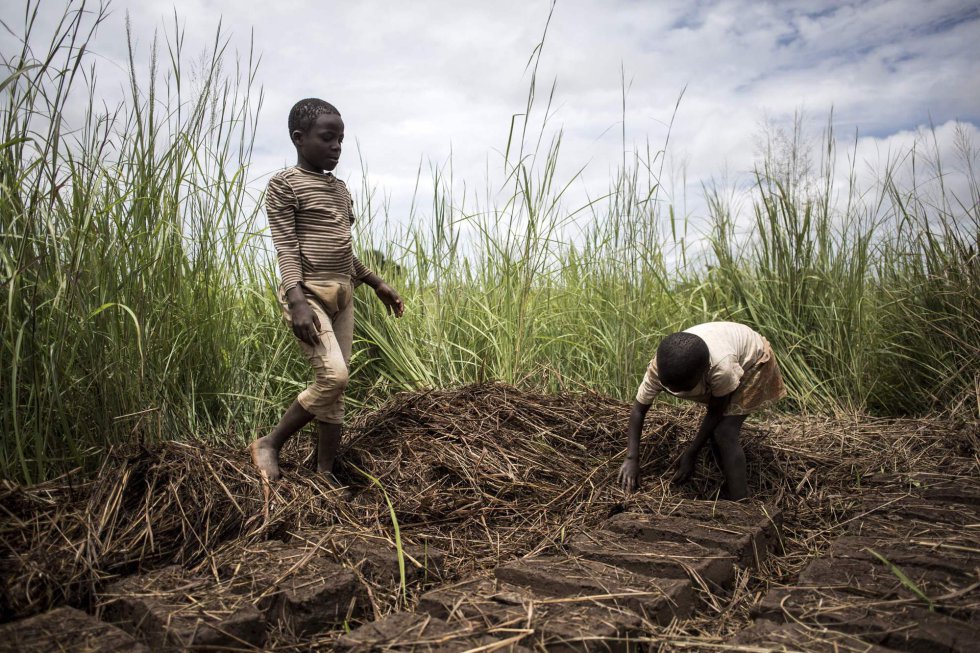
478	478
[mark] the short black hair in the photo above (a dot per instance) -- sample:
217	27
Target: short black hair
305	112
682	358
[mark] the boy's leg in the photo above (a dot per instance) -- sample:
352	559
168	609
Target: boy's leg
265	450
731	456
327	445
715	454
329	432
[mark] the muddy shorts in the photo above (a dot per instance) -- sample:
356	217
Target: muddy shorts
760	387
332	302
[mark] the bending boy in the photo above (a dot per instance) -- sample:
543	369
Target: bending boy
310	215
727	366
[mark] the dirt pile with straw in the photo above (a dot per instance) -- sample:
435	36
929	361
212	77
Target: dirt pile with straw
493	472
485	473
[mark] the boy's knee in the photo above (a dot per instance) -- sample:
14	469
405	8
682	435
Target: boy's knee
323	397
334	381
726	435
322	408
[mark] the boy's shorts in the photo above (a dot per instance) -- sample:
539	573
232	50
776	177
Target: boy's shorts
332	302
760	387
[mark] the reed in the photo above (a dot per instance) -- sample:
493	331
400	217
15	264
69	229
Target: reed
133	275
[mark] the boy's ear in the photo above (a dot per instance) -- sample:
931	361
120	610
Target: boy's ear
297	136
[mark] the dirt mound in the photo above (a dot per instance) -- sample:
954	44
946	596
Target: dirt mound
443	459
484	473
492	453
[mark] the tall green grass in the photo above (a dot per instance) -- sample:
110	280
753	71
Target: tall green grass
137	284
134	288
871	302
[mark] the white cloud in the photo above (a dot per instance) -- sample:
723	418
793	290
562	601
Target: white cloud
938	162
418	80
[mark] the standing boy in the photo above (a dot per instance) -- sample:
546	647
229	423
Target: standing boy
725	365
310	215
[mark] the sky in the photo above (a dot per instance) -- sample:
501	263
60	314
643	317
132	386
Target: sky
421	82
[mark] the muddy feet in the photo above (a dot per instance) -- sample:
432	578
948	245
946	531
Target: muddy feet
265	457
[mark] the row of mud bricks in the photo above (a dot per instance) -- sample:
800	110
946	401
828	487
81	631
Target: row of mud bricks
309	586
904	577
596	593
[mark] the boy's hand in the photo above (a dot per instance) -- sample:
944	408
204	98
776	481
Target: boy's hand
685	468
629	474
390	299
306	325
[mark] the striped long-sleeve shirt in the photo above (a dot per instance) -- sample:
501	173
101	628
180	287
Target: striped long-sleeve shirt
310	216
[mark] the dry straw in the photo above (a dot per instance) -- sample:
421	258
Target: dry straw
484	473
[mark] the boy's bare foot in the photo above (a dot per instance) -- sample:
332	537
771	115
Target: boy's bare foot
265	457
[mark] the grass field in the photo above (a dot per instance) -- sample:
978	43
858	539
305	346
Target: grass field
138	289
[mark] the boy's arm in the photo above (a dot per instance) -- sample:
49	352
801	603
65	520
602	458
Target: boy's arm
629	473
387	295
688	459
280	208
306	325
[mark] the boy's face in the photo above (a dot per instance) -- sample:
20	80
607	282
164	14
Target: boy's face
318	148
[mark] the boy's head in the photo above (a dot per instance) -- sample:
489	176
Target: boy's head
317	131
305	112
682	361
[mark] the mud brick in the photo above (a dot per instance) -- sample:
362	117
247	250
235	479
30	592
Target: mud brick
939	534
379	561
766	518
300	588
557	627
851	568
864	578
66	630
946	491
171	610
377	558
936	487
887	623
771	636
929	513
657	559
956	562
659	600
749	543
920	522
763	521
408	632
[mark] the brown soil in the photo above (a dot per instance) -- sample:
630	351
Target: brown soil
481	476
